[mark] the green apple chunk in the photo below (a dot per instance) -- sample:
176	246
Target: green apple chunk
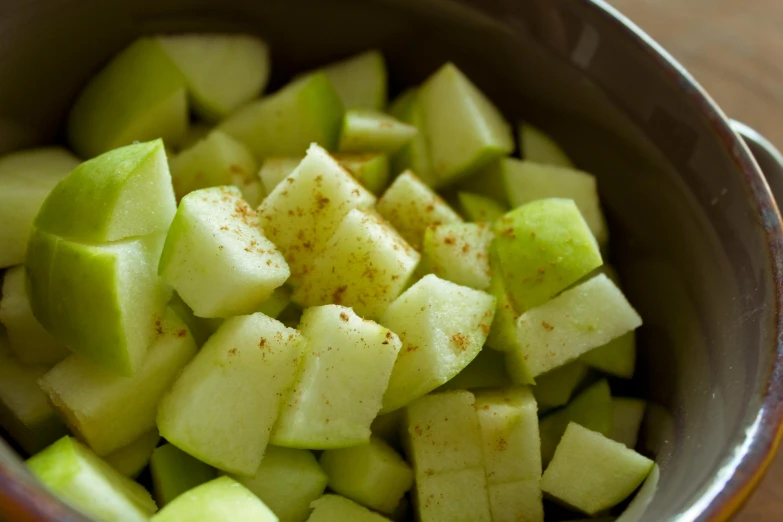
222	407
220	500
86	482
345	372
216	160
101	301
365	265
487	181
487	370
464	129
334	508
301	214
456	496
197	131
221	71
415	156
25	412
442	327
459	252
216	257
124	193
578	320
554	388
288	481
592	409
536	146
527	181
627	416
140	95
307	110
130	460
370	170
617	357
371	131
374	475
411	206
109	411
26	178
174	472
29	342
516	501
479	208
503	333
200	328
276	169
592	473
543	247
360	80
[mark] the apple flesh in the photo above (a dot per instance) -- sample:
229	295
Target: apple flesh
276	169
174	472
360	80
617	357
487	370
554	388
459	252
371	131
334	508
130	460
415	155
537	146
488	182
478	208
370	170
627	416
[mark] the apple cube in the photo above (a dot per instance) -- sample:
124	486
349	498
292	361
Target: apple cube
503	332
174	472
415	155
29	342
487	370
527	181
516	501
488	182
456	496
109	411
554	388
26	178
197	131
459	252
464	129
411	206
370	170
140	95
372	131
627	416
617	357
222	71
332	403
130	460
480	208
222	407
360	80
276	169
220	500
442	327
216	257
86	482
285	123
200	328
365	265
578	320
374	475
287	481
592	473
537	146
334	508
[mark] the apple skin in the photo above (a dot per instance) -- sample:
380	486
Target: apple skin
370	131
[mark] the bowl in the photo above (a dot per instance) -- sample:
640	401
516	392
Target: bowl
696	232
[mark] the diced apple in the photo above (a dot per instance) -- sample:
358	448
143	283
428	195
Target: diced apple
627	416
415	156
365	265
223	406
345	372
220	500
360	80
411	206
459	252
442	327
140	95
535	145
197	131
200	328
370	170
174	472
479	208
371	131
487	370
578	320
285	123
554	388
287	481
503	332
276	169
86	482
617	357
464	129
592	473
276	303
222	71
130	460
29	342
216	257
334	508
374	475
26	178
487	181
109	411
456	496
516	501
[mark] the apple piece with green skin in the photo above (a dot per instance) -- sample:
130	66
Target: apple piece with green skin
30	343
487	181
331	405
487	370
334	508
627	416
307	110
479	208
365	265
370	170
411	206
591	472
617	357
26	178
360	80
459	252
374	475
537	146
109	411
371	131
85	481
130	460
220	500
464	129
442	327
139	96
554	388
415	156
288	481
174	472
222	71
216	257
222	407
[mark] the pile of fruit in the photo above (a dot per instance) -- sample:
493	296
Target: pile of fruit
277	290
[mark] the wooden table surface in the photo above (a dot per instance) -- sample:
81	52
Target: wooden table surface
734	48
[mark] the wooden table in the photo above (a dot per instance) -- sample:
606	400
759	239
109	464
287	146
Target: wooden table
734	48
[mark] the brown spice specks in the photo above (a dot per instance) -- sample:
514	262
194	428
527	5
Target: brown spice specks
461	341
344	317
548	327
